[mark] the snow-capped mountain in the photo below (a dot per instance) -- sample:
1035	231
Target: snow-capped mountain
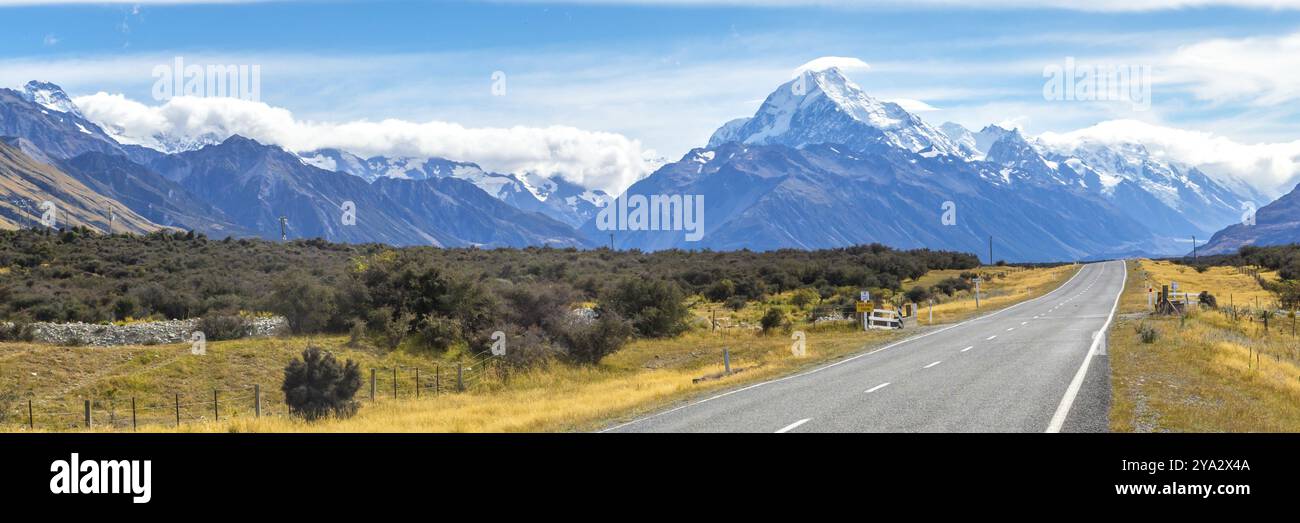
823	164
51	97
824	106
552	196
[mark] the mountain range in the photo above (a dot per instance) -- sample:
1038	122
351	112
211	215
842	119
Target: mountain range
820	164
823	164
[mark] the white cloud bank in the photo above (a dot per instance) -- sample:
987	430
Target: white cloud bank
602	160
1273	168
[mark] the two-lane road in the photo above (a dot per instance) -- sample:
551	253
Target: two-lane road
1031	367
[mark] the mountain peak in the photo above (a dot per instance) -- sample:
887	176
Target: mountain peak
50	96
825	106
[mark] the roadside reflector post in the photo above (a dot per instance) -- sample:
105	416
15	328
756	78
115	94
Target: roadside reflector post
460	378
726	360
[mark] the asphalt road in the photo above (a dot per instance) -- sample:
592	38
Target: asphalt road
1031	367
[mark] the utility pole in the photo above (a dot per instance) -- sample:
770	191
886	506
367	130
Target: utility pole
111	216
990	249
1196	257
284	228
611	241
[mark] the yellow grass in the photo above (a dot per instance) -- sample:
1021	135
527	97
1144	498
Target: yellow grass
645	376
1207	373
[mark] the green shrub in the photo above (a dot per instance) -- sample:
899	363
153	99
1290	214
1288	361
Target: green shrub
317	386
587	342
223	326
772	319
655	307
1147	333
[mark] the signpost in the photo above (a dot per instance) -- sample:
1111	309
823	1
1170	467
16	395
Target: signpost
977	292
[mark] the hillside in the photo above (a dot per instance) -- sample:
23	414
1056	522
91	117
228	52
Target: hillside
26	184
1277	223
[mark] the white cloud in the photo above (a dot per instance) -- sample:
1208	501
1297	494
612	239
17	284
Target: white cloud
914	106
844	63
50	40
1271	167
1261	70
601	160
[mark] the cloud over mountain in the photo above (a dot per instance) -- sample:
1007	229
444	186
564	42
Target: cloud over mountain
602	160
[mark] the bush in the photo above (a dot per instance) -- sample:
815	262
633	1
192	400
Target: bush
16	331
223	326
1147	333
656	308
772	319
590	341
317	386
307	304
389	328
917	294
736	303
1208	300
720	290
803	297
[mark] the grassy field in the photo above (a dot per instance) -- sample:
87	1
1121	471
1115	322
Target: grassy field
1207	372
645	376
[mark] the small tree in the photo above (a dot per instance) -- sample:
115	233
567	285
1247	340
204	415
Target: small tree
317	385
771	320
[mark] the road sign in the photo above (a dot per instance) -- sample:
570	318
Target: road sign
864	306
1174	286
865	296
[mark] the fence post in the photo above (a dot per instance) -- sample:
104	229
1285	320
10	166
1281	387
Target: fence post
257	400
372	384
417	382
178	409
133	425
460	378
394	382
216	415
31	420
87	413
726	359
437	379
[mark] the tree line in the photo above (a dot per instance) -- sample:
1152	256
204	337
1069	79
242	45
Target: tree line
576	304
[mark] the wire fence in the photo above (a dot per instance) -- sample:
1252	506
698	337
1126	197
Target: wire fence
129	413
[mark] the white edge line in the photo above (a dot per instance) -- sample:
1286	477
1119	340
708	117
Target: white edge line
1067	401
845	360
792	426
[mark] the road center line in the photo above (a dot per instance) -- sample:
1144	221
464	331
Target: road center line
793	426
932	364
991	338
877	387
968	348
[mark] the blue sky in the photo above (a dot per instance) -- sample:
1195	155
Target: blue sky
663	77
